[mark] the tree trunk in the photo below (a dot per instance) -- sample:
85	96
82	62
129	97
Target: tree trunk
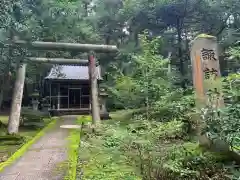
169	64
14	118
136	39
180	54
1	97
5	88
94	90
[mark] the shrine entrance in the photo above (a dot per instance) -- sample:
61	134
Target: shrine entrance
91	49
74	98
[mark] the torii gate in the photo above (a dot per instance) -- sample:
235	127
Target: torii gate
59	46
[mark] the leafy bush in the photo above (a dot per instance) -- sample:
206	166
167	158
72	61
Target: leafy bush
151	149
146	82
100	157
173	105
30	117
160	151
224	123
11	140
149	85
189	162
157	130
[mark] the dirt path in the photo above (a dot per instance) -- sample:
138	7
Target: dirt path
43	159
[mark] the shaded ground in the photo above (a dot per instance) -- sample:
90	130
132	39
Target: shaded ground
7	148
43	159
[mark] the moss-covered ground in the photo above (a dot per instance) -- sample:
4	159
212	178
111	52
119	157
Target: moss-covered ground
10	144
73	148
100	158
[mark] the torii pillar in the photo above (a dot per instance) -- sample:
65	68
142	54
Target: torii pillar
94	89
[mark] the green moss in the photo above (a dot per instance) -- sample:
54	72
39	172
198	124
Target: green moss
105	165
25	147
60	167
4	119
205	36
73	148
84	119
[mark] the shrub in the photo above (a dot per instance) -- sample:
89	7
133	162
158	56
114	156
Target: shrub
224	123
189	162
157	130
30	117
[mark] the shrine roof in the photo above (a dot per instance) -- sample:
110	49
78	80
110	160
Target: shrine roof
71	72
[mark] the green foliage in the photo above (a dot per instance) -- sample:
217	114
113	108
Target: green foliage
157	131
140	77
234	58
34	118
12	140
162	153
189	162
84	119
235	52
100	157
175	104
150	149
148	80
223	123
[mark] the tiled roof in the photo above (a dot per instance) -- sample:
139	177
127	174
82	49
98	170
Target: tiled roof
71	72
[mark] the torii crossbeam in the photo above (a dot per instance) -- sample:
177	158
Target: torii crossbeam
61	61
60	46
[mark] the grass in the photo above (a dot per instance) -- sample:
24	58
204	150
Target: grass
12	149
4	119
73	148
99	155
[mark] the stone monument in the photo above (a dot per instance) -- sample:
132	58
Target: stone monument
206	77
35	101
102	99
206	69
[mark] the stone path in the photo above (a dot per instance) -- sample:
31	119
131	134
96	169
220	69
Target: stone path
44	159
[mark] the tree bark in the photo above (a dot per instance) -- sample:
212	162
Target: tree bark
1	97
94	90
180	54
14	118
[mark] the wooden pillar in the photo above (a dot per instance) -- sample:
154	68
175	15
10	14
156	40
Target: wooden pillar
58	97
81	98
94	89
14	118
68	95
50	94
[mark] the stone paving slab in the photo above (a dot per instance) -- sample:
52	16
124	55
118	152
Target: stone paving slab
42	160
